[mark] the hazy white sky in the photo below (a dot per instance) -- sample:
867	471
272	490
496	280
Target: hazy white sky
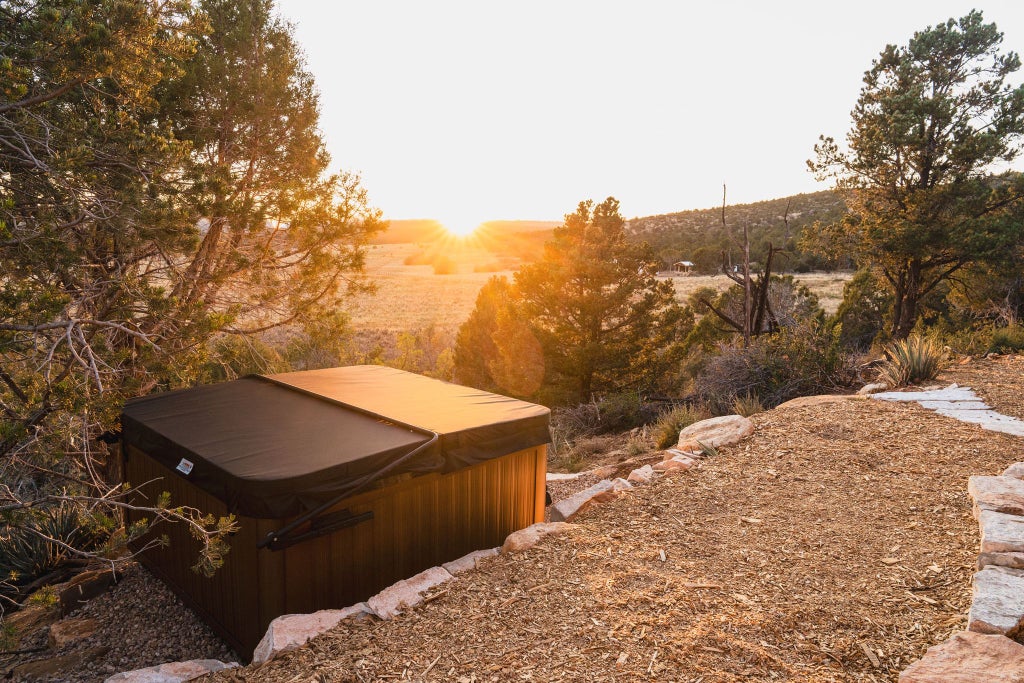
472	111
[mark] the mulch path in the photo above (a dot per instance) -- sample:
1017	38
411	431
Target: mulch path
836	544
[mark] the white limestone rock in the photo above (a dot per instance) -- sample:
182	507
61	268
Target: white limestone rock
406	593
1000	532
567	508
1016	470
998	602
524	539
715	432
641	475
291	631
998	494
172	672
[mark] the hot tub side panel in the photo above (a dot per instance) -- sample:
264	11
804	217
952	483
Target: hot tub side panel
417	523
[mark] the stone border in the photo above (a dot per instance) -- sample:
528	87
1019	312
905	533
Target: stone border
986	651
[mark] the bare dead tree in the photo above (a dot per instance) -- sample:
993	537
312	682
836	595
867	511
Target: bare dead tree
757	315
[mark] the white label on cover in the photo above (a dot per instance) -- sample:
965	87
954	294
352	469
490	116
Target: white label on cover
185	466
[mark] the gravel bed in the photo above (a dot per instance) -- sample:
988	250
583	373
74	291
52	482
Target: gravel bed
143	624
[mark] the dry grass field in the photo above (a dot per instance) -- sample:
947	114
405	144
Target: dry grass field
413	297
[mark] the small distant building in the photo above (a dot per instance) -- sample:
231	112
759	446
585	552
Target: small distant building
683	267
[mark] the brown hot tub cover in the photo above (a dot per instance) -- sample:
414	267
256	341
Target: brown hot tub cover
281	445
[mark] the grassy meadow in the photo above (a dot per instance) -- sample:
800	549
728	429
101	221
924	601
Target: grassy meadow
411	297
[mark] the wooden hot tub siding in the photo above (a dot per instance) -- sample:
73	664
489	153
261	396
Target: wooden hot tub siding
417	524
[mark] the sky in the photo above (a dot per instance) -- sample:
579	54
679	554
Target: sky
472	111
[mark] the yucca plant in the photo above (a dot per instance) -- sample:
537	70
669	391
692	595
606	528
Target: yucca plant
747	405
912	360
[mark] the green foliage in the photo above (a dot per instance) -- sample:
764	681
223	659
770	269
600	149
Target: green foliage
163	194
669	423
34	543
914	359
932	119
699	236
798	361
867	300
1009	339
588	319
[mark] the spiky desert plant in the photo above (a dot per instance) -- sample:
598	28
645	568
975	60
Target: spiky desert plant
668	425
747	405
914	359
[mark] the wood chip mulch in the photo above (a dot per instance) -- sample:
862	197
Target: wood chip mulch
836	544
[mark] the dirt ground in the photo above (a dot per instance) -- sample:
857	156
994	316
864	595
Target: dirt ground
836	544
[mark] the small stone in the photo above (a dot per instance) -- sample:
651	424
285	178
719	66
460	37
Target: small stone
560	476
998	602
621	484
468	561
673	465
969	657
406	593
873	388
1000	532
70	631
172	672
641	475
526	538
290	631
718	431
1012	560
999	494
567	508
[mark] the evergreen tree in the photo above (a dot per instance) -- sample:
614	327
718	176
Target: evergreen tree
588	318
161	186
932	120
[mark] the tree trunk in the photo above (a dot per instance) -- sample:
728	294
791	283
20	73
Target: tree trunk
907	300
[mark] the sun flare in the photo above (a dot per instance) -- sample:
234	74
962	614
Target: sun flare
461	225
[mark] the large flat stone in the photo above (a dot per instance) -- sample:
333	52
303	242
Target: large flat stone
172	672
567	508
1016	470
999	494
969	657
715	432
950	393
406	593
998	602
290	631
987	419
1000	532
1012	560
67	631
523	539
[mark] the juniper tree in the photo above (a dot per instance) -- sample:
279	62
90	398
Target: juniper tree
933	121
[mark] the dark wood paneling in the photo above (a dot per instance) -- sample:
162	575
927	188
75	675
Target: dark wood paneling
417	523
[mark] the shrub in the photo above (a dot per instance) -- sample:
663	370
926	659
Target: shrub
799	361
747	405
666	428
1007	339
864	310
912	360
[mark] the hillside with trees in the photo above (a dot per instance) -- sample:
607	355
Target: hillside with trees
699	235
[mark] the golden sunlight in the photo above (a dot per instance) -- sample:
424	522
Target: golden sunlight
461	224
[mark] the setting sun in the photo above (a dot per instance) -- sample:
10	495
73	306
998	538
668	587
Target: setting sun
461	225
